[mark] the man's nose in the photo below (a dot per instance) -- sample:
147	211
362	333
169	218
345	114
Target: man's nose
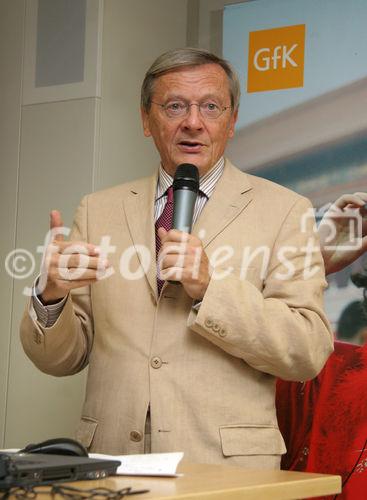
193	119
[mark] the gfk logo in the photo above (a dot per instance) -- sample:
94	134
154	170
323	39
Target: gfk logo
276	58
263	61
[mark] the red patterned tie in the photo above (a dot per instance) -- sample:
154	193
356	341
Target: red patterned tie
165	221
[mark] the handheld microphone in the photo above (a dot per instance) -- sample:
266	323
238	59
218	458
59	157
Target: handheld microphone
185	191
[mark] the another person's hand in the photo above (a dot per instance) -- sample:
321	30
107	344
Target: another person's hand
341	240
182	258
67	264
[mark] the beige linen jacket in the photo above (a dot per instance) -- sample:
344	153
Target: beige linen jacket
208	376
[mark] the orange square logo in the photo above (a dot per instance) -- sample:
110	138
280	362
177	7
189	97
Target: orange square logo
276	58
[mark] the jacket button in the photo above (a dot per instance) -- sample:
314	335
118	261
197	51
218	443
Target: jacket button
156	362
136	436
208	322
222	332
216	328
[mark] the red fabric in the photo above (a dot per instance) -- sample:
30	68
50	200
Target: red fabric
165	220
324	420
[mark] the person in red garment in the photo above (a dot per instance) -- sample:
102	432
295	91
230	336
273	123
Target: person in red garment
324	420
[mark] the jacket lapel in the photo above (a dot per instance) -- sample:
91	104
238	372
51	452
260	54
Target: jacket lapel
139	212
230	197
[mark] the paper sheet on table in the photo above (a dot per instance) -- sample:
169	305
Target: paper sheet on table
150	464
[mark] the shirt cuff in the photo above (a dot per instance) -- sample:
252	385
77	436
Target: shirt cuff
46	315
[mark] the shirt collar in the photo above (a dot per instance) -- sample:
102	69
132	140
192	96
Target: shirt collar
207	182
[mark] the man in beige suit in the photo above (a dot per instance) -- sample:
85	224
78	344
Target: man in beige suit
192	368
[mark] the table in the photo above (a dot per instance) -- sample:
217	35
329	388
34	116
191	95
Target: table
219	482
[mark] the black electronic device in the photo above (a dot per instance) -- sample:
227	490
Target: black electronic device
58	446
185	191
27	469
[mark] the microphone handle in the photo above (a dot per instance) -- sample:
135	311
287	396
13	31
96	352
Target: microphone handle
183	212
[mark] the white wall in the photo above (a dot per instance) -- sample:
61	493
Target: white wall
54	148
53	152
135	33
210	23
11	46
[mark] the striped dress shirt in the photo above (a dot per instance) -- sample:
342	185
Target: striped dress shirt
206	188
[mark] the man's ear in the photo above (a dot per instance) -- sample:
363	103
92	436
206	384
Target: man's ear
145	121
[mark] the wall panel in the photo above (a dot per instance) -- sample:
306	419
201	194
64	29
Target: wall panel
64	142
11	49
135	33
56	169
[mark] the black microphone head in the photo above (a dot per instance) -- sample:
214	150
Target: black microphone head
186	177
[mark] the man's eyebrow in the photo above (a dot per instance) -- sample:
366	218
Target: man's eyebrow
179	97
211	96
175	97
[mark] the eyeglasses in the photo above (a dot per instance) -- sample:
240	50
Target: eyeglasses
180	109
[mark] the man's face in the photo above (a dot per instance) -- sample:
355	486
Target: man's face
191	138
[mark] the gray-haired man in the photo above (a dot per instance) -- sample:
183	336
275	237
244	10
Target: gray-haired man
200	359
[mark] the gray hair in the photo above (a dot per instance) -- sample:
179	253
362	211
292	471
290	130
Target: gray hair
179	58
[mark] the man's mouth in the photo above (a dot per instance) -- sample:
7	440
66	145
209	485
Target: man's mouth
190	146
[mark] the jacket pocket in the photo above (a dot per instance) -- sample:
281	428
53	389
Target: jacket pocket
86	430
251	440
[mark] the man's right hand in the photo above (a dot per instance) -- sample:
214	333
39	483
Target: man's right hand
68	264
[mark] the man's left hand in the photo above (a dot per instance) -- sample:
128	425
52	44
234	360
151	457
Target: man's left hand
182	258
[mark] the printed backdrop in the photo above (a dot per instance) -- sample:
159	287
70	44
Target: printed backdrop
298	62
